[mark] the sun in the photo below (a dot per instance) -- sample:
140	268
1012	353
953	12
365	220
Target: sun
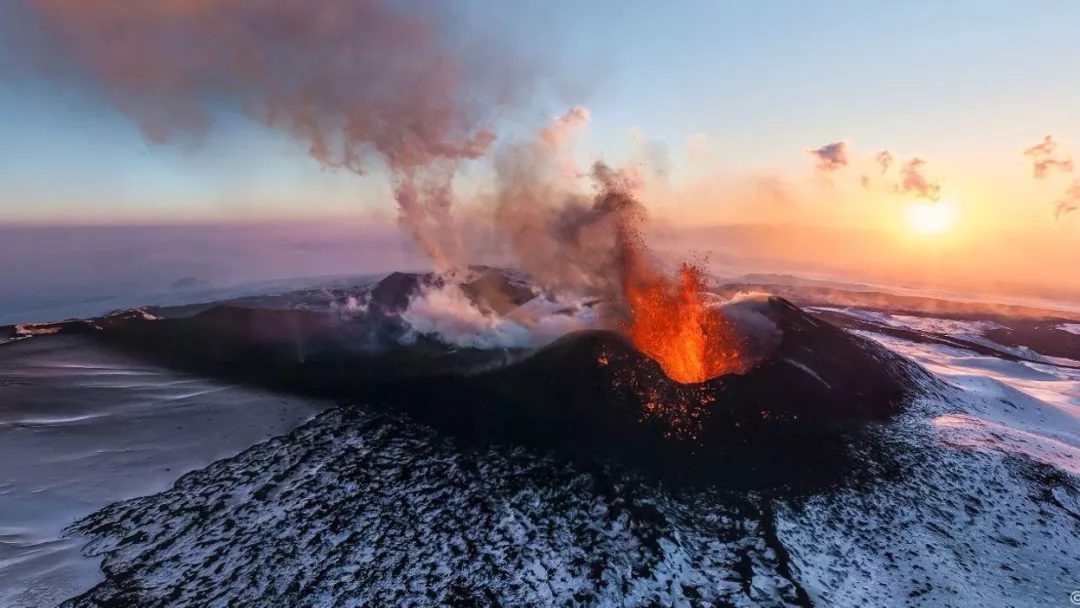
931	218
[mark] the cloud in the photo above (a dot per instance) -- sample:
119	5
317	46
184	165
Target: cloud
831	157
914	181
1068	204
884	160
350	79
1045	158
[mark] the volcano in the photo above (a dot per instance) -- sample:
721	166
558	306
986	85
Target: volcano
590	392
437	469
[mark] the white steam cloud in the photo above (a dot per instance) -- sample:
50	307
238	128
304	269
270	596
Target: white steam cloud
448	313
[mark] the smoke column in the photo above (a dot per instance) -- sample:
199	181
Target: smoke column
349	78
557	135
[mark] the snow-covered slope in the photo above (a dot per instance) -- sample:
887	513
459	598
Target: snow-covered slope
969	497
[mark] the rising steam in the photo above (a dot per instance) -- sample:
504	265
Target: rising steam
351	79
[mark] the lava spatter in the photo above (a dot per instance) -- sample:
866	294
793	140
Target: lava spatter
672	324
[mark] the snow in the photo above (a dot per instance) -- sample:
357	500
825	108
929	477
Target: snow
968	522
946	327
975	498
80	429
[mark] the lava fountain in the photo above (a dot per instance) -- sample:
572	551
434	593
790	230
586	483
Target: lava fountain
667	318
670	321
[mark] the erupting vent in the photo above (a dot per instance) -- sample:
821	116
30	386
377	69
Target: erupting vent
671	323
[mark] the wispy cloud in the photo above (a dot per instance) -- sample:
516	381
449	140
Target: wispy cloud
831	157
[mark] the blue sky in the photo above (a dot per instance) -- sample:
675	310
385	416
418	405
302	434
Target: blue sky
965	82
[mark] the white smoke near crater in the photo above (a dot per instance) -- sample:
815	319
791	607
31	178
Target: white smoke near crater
448	314
747	311
352	307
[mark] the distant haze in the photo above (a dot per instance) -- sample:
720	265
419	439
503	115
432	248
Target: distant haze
61	272
64	272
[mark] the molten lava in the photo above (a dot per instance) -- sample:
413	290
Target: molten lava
672	324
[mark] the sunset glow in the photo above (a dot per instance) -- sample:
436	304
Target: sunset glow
931	218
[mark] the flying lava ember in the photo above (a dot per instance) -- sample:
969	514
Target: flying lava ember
666	317
672	324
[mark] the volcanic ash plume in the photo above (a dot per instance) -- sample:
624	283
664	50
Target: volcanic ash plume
562	128
1045	158
831	157
350	78
568	241
558	134
565	239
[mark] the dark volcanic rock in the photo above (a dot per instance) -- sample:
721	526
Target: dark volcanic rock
1013	339
495	291
1043	336
867	299
592	392
578	474
356	509
589	393
293	350
392	294
491	289
27	330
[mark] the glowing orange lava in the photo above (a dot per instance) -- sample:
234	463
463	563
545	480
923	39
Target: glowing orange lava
672	324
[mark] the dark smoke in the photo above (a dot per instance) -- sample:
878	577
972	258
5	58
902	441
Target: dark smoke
1045	158
831	157
351	79
564	238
